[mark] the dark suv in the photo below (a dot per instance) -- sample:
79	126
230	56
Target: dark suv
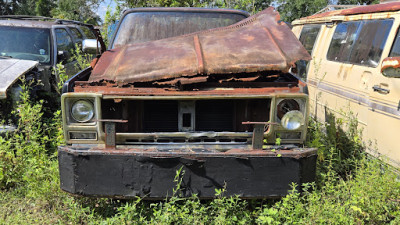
32	47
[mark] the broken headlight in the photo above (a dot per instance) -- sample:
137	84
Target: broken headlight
290	113
292	120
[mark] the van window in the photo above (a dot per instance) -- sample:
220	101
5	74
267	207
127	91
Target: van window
342	41
395	52
308	36
359	42
370	42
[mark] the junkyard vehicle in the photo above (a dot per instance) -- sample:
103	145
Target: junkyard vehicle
200	103
355	67
31	47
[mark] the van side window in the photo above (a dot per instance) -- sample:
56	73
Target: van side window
359	42
308	36
370	42
395	52
342	41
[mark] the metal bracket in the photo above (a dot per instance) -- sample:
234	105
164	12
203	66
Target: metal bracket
109	126
258	133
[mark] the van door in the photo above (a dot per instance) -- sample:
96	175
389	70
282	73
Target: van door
342	77
384	111
335	87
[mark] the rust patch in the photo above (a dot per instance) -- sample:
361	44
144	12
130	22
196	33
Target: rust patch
244	47
152	91
385	7
393	62
199	54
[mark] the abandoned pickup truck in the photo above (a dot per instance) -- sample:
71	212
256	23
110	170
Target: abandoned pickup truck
219	105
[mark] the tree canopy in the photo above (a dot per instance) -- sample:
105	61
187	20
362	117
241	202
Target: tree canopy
85	10
82	10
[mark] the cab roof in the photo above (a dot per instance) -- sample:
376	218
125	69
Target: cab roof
187	9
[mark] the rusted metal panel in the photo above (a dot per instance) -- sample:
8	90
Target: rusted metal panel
386	7
151	91
258	43
11	70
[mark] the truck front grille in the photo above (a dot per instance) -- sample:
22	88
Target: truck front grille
155	116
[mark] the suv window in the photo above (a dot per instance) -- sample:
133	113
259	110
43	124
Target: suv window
64	41
25	43
88	33
359	42
76	34
308	35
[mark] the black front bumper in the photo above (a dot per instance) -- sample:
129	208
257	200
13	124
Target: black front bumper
149	173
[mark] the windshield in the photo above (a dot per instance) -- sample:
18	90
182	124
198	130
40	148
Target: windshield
25	43
139	27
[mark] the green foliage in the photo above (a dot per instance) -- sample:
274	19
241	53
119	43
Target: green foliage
367	197
110	19
358	2
25	151
368	192
82	10
252	6
339	144
291	10
351	188
82	59
43	7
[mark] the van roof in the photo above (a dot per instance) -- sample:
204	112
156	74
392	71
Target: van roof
384	7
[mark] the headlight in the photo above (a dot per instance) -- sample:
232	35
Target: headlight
82	111
292	120
286	106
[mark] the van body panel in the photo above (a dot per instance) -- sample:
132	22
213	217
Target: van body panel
339	87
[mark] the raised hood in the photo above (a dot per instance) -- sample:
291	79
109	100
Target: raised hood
11	70
258	43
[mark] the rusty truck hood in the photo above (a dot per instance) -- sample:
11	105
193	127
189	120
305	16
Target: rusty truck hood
11	70
258	43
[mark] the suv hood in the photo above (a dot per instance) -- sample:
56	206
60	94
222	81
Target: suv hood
258	43
11	70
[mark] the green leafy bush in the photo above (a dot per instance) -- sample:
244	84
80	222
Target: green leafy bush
351	188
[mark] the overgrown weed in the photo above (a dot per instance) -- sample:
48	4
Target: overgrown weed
350	188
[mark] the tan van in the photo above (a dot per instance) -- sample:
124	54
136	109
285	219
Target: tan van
355	67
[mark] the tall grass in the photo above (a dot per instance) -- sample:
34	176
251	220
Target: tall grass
350	188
